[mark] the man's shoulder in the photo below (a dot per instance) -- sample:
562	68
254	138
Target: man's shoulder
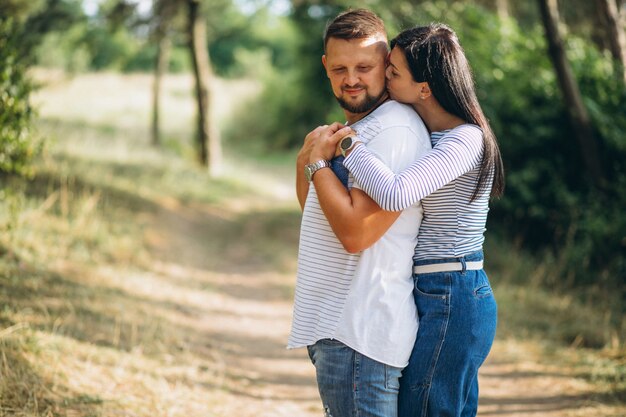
393	113
387	119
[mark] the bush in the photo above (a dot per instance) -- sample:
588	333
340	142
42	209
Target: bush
17	146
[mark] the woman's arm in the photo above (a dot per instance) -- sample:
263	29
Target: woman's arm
457	153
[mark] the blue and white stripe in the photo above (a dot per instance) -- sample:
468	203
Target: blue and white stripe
444	180
325	269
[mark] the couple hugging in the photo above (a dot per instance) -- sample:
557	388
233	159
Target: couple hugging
391	298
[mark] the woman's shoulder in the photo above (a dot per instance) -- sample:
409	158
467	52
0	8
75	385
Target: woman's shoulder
466	136
467	129
466	132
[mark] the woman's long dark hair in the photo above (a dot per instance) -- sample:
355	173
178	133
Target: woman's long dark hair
435	56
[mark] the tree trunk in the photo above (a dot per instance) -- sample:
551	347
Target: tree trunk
502	6
160	68
576	110
208	140
615	36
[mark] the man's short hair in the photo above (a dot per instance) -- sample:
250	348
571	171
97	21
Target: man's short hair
355	24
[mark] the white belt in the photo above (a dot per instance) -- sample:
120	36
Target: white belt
447	267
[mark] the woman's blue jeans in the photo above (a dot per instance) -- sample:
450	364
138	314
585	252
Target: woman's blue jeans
457	313
353	385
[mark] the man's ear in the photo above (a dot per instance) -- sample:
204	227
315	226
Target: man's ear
324	64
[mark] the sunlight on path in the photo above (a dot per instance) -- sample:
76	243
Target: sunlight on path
515	381
236	314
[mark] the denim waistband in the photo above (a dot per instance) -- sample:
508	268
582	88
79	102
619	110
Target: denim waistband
470	257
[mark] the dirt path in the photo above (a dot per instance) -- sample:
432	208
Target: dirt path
244	321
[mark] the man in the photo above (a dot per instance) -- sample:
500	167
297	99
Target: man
353	307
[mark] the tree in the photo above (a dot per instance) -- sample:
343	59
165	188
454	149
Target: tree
208	139
503	9
164	12
615	37
578	115
195	27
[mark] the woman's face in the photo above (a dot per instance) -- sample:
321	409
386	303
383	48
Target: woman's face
400	83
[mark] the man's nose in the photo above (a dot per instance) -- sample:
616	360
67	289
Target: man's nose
352	78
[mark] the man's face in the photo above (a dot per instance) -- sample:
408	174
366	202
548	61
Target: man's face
356	69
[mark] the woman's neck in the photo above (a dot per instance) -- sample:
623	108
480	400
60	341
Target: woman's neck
436	117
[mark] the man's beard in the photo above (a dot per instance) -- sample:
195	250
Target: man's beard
368	103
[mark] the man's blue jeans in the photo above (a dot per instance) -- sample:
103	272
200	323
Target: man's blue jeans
457	312
353	385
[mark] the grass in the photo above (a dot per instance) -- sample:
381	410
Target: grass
85	313
109	254
576	330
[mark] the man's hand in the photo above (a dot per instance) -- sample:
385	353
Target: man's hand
307	145
303	158
325	144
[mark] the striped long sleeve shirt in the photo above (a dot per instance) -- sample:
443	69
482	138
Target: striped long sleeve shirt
364	300
444	180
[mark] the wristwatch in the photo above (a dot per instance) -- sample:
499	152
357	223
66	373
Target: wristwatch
347	144
311	169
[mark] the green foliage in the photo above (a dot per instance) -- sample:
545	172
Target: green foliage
110	49
297	96
117	39
65	50
16	144
550	206
143	59
23	25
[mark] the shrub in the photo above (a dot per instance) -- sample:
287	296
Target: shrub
17	146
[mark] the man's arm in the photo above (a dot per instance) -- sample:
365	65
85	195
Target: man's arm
356	219
302	185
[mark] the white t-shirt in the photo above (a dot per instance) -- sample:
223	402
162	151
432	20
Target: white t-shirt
363	300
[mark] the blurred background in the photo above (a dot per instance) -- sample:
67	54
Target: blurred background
149	220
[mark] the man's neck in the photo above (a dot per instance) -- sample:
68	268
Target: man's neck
352	118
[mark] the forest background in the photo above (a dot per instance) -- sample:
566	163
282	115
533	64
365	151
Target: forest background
550	77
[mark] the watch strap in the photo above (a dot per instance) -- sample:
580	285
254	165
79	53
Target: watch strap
311	169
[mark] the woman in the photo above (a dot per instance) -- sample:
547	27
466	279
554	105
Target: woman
454	181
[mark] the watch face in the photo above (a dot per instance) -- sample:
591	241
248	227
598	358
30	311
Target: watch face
346	143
